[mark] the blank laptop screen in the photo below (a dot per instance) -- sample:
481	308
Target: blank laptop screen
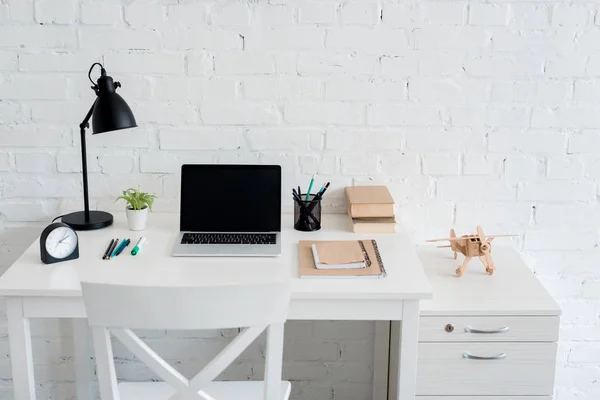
230	198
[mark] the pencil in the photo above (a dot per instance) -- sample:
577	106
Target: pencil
108	249
123	247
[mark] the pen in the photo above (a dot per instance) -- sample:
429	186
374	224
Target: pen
108	249
122	247
138	246
114	250
310	185
299	191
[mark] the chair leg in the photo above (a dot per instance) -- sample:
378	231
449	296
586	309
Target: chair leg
107	377
274	362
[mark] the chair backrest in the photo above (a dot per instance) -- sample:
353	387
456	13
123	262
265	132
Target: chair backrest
116	309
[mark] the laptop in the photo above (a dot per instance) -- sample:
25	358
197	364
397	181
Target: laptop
229	211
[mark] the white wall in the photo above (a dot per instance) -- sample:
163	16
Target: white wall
471	111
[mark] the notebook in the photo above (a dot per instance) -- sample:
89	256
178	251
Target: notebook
373	264
338	255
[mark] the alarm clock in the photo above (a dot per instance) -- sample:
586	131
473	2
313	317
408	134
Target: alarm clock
58	242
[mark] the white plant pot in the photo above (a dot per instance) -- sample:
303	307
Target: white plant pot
136	219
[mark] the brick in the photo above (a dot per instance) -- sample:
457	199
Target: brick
526	142
566	67
325	113
169	112
4	13
565	168
530	16
399	66
531	92
566	15
440	63
318	63
34	136
441	164
474	188
586	91
38	36
591	289
341	330
397	114
488	14
35	162
141	63
11	112
199	63
591	167
325	165
472	214
557	191
359	165
70	161
5	162
566	214
504	65
440	140
243	64
102	185
300	38
401	164
297	139
363	138
272	15
511	117
180	88
523	168
240	113
565	117
397	15
362	90
236	14
452	38
269	88
586	141
360	13
145	16
187	14
100	14
132	138
162	162
116	164
317	12
55	11
368	40
8	61
442	13
479	164
58	61
105	38
446	91
41	186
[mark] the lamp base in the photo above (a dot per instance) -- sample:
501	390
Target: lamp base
97	220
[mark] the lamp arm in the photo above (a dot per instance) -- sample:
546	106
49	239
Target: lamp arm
85	124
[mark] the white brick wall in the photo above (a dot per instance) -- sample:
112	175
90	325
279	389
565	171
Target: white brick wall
472	111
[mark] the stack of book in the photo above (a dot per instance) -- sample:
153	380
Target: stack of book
371	209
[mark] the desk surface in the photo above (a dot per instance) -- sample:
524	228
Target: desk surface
154	266
512	290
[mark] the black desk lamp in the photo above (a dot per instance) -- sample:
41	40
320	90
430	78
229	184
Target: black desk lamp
108	113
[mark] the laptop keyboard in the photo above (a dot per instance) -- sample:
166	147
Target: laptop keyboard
228	238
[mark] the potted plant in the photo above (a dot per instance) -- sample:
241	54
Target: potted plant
138	204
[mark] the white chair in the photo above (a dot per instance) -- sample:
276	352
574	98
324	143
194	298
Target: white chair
116	309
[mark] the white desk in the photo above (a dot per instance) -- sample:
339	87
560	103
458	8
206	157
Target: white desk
35	290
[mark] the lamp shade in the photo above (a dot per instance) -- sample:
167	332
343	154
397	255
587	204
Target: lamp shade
111	112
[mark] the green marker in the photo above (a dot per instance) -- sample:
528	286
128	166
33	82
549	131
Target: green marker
138	246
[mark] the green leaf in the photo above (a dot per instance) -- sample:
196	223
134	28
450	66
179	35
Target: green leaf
136	199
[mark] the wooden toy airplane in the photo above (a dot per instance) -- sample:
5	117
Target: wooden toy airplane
472	246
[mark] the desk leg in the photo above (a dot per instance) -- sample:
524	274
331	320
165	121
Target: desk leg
21	356
83	362
381	361
404	337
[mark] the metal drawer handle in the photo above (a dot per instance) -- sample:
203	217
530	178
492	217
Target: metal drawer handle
470	356
505	329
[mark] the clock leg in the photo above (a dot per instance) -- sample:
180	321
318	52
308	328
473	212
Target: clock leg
21	356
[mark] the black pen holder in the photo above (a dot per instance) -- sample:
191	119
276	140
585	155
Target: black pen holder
307	214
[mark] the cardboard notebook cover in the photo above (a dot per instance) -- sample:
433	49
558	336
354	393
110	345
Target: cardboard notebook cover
369	201
373	225
308	269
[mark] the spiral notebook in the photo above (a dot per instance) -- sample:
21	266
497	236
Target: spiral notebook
373	264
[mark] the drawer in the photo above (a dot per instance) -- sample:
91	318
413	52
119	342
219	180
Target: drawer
453	369
484	398
488	329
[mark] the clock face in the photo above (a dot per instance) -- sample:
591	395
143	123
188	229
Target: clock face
61	242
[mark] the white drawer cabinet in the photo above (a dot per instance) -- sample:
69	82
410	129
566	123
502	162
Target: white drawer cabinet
485	337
